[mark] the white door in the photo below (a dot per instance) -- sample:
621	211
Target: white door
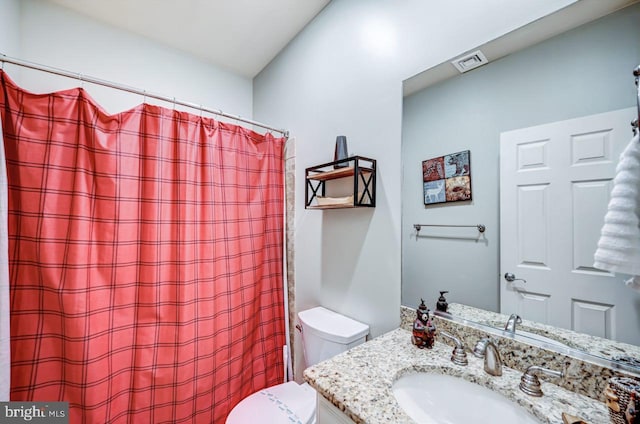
555	181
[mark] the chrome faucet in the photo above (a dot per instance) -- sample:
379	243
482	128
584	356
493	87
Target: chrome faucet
529	382
511	323
492	360
458	356
486	348
481	347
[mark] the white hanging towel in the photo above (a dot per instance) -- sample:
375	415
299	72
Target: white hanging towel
619	244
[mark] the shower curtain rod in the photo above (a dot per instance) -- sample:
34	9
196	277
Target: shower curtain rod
121	87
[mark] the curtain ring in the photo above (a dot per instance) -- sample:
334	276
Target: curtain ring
144	96
174	103
201	111
81	80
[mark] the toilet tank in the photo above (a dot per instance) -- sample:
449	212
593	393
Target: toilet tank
326	333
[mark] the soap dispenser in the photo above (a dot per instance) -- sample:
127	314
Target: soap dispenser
442	304
424	331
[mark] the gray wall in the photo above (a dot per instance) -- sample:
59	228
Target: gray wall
582	72
9	27
343	75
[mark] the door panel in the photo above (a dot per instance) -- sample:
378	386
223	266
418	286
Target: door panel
588	196
534	305
532	155
591	148
533	225
555	182
593	318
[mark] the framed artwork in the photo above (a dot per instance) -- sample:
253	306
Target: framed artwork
447	178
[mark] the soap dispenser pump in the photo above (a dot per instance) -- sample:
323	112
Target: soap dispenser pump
442	304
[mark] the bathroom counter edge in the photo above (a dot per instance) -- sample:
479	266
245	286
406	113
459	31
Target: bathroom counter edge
359	382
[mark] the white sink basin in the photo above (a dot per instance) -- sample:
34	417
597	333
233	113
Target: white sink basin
436	398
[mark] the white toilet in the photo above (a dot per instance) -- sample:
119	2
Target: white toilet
324	334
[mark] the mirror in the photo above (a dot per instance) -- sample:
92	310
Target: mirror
564	341
584	71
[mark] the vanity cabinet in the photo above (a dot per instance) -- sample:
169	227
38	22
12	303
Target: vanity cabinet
355	176
329	414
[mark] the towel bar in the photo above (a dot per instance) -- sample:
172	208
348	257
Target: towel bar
481	228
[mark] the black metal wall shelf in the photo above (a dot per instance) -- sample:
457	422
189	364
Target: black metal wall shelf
360	169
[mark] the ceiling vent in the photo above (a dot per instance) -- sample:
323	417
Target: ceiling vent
470	61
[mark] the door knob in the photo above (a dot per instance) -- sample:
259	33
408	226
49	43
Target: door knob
512	277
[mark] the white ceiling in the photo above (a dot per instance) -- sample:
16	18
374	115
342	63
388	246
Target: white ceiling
563	20
240	35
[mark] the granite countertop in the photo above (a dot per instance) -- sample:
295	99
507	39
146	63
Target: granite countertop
358	382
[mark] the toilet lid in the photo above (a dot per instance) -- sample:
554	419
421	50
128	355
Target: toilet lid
289	403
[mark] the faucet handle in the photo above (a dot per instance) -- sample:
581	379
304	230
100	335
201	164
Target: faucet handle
481	347
458	356
529	382
513	320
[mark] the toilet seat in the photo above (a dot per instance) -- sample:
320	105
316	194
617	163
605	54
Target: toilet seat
289	403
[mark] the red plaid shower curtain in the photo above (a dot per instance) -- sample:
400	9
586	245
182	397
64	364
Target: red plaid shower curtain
145	255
